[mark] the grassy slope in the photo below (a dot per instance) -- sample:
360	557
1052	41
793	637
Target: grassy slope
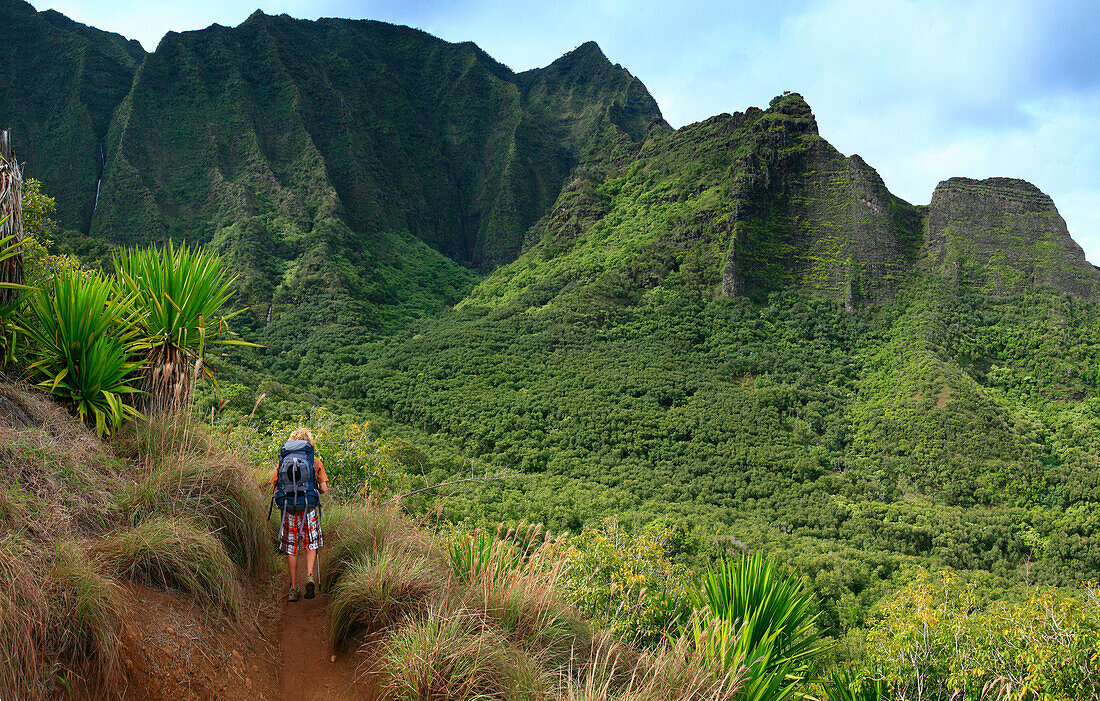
159	507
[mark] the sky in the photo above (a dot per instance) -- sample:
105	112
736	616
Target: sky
922	90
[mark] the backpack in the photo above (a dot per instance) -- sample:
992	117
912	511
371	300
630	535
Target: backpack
296	484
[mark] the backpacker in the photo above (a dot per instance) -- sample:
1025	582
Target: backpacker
296	485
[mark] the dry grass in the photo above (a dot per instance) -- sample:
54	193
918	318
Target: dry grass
23	617
65	474
64	538
214	490
453	655
88	609
671	673
356	531
515	577
176	554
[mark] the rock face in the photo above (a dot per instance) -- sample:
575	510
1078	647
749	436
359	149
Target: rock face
1001	236
292	125
807	216
341	160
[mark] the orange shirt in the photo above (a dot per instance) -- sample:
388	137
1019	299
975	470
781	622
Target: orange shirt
318	466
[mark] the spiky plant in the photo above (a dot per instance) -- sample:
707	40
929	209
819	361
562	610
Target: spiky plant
11	221
9	250
768	619
86	344
180	292
847	685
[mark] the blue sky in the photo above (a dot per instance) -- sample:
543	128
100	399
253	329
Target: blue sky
922	90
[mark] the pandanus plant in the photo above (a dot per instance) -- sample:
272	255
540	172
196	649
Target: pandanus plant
9	250
179	292
86	342
756	618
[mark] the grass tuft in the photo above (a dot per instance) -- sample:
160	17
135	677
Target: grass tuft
88	611
452	655
515	580
377	592
216	491
22	614
177	554
673	672
358	531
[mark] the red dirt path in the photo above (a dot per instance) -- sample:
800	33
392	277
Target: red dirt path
172	650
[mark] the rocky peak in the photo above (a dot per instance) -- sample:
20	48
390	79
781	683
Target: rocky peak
794	112
1002	235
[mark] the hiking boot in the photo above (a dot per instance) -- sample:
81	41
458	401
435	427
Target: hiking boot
311	588
294	594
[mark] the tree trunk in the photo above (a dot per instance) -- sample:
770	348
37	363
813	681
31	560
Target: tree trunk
11	207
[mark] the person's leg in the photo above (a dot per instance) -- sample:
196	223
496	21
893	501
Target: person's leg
292	564
311	559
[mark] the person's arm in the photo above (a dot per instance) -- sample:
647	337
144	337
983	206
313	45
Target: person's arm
322	476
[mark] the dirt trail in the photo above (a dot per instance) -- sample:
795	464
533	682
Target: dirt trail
307	671
172	649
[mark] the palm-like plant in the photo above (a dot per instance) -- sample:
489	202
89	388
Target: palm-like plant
9	249
761	619
846	685
179	292
85	341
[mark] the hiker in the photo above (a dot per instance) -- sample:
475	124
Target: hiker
298	482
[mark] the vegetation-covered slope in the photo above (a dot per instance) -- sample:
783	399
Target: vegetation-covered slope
60	83
731	322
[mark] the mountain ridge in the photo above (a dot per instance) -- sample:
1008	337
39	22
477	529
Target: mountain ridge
358	131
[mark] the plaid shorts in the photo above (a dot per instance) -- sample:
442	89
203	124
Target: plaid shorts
299	529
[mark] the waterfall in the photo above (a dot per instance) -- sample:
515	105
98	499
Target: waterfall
99	180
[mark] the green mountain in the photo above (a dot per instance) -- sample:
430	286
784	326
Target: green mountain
730	322
60	83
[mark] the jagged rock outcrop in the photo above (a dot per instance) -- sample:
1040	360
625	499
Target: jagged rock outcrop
1001	236
807	216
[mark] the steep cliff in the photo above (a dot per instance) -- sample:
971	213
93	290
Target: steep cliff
1002	236
60	83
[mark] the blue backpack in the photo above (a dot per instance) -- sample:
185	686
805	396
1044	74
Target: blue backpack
296	484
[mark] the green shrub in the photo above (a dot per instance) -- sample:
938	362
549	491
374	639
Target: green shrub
936	633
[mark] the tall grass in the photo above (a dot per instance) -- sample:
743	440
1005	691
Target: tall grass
178	554
216	493
23	612
357	531
451	655
676	671
88	614
377	592
514	577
